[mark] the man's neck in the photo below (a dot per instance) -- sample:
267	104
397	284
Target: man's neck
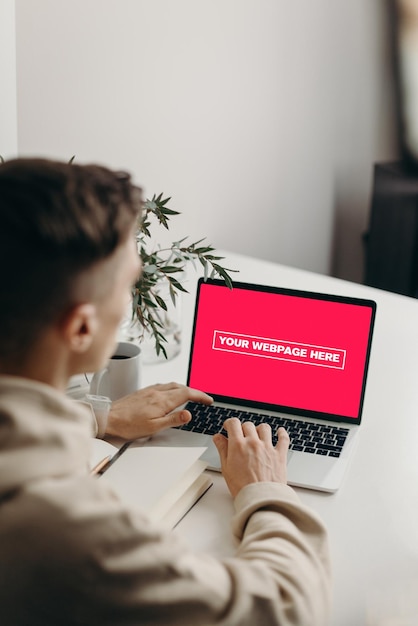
46	362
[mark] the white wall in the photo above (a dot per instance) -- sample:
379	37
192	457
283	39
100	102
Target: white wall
261	118
8	111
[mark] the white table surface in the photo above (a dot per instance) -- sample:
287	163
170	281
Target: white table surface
373	518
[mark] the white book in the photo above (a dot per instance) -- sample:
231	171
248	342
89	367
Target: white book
164	482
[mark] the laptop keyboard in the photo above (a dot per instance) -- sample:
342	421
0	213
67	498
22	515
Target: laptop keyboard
323	439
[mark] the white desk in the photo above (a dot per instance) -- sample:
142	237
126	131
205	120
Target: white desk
373	518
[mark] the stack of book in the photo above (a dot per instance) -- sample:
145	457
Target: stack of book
163	482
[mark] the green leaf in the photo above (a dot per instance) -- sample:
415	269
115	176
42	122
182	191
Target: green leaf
147	300
175	283
166	211
166	264
160	302
176	244
171	269
173	294
160	348
223	273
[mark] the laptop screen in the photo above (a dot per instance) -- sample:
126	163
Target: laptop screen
279	349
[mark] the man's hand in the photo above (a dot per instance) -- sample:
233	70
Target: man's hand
248	456
151	409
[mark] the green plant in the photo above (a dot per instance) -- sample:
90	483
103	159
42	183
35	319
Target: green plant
164	265
167	265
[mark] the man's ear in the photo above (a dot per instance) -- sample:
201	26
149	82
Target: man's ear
79	326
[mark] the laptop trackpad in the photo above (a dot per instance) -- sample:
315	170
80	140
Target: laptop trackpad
188	439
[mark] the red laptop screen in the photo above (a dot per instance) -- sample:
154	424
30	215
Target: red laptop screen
281	348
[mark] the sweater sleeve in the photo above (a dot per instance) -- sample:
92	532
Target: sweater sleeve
286	545
145	575
98	407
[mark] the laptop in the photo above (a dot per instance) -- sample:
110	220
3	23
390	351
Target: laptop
292	358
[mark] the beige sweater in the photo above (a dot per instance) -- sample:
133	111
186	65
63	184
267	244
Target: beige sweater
72	553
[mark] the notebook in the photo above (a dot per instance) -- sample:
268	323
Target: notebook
292	358
164	482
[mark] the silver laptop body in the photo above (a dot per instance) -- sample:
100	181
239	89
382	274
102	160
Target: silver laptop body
284	355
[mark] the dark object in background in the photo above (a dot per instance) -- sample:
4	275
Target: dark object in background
391	244
392	240
404	23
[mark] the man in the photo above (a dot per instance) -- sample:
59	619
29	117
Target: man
70	552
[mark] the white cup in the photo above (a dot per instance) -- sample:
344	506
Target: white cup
121	376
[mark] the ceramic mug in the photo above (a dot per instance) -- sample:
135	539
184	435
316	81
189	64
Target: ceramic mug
121	375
